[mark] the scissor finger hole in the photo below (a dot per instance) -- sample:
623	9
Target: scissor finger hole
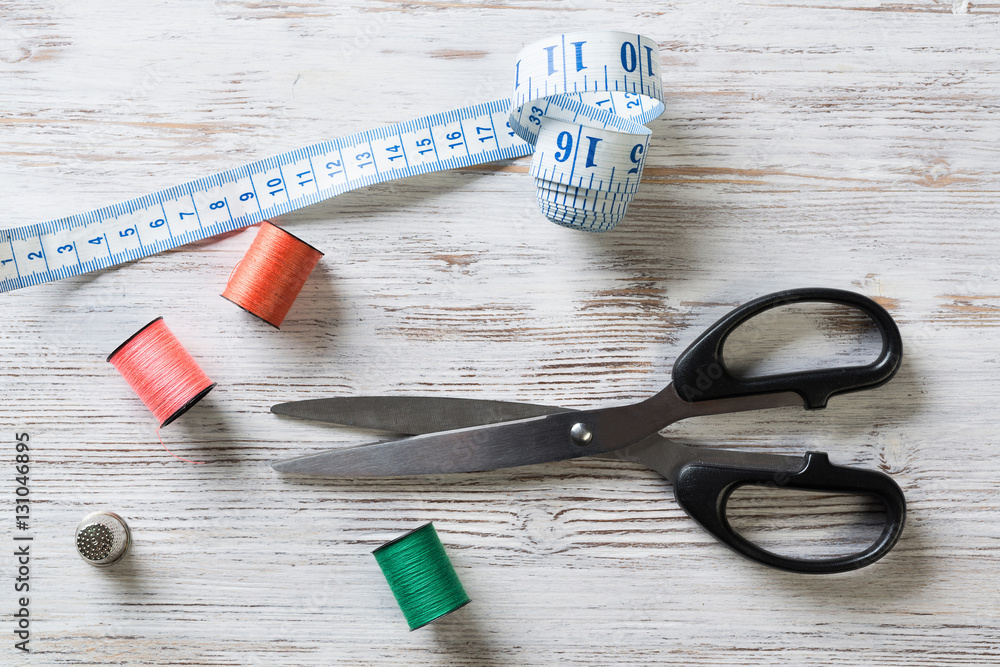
801	337
806	524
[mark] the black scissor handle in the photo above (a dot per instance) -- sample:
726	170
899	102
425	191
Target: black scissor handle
700	373
703	491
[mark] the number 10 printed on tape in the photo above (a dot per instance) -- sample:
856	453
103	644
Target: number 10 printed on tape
579	105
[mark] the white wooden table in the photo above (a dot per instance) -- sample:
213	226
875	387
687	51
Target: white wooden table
849	144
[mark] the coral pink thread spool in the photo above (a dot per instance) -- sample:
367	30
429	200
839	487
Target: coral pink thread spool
161	372
270	276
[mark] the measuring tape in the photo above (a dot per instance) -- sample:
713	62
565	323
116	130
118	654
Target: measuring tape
579	104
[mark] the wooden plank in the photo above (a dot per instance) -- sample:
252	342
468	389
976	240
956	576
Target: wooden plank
847	144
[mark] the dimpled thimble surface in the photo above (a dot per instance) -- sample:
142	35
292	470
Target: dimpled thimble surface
102	538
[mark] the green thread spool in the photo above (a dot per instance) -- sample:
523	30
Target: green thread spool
421	576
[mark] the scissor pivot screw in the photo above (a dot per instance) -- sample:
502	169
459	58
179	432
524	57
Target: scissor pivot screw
581	434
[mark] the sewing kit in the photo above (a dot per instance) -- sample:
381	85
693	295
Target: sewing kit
578	106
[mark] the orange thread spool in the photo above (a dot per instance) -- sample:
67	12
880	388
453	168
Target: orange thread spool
161	372
270	276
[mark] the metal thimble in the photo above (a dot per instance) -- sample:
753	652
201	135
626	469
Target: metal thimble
102	538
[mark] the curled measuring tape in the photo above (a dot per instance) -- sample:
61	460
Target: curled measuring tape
579	104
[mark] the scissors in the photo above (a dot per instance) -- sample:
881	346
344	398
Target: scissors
452	435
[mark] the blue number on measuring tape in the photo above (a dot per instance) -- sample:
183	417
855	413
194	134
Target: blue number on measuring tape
579	105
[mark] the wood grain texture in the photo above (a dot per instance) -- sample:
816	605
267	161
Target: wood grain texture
847	143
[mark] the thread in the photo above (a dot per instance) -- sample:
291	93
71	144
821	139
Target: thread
179	458
270	276
161	372
421	576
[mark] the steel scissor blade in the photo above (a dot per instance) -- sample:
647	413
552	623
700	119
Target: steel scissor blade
411	415
509	444
415	415
551	437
